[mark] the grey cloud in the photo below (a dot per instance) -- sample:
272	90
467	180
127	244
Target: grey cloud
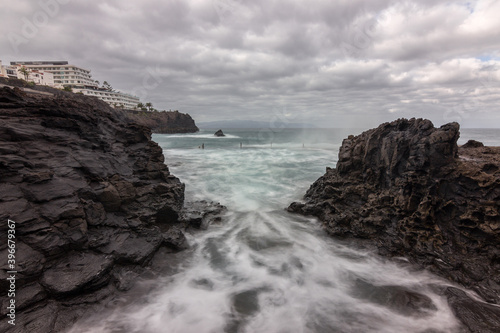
357	61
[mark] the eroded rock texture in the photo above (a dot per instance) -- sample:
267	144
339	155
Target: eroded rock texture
92	200
407	188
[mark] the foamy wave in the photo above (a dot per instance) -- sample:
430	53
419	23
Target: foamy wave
265	270
201	136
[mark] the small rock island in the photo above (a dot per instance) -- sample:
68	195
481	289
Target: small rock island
219	133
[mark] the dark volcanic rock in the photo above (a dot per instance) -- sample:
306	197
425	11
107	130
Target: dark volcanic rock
175	239
75	272
168	122
197	215
407	188
477	316
201	214
397	298
219	133
91	197
473	144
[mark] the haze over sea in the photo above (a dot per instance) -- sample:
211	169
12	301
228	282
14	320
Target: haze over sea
263	269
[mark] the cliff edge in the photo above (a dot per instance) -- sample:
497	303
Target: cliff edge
91	200
407	188
164	122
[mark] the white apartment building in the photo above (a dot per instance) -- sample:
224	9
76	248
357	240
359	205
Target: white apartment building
64	73
8	71
39	77
35	76
60	74
116	99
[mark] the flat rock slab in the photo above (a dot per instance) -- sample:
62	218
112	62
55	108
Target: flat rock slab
77	271
399	299
40	318
132	248
477	316
25	297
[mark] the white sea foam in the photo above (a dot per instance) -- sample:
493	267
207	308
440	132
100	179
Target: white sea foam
201	136
265	270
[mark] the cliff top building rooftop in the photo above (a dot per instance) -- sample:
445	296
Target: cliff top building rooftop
64	73
29	63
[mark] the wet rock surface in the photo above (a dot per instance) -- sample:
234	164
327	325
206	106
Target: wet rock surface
477	316
93	203
407	188
397	298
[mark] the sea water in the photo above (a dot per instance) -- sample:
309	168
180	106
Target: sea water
262	269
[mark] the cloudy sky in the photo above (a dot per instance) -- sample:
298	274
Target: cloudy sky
333	63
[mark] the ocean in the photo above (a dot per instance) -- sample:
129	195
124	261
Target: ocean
262	269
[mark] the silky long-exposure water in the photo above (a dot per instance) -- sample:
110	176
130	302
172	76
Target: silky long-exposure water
263	269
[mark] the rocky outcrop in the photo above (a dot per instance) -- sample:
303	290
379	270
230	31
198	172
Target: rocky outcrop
219	133
408	189
473	144
92	201
166	122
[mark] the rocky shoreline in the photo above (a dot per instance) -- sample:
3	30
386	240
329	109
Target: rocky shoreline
93	204
95	207
408	189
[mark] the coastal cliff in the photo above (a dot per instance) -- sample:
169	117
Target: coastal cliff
165	122
408	189
92	203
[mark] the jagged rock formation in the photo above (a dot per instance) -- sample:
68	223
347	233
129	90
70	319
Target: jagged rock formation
166	122
92	201
219	133
408	189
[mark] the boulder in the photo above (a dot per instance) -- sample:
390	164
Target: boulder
201	214
219	133
473	144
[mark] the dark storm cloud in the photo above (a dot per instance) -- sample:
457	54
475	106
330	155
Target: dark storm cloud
333	63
